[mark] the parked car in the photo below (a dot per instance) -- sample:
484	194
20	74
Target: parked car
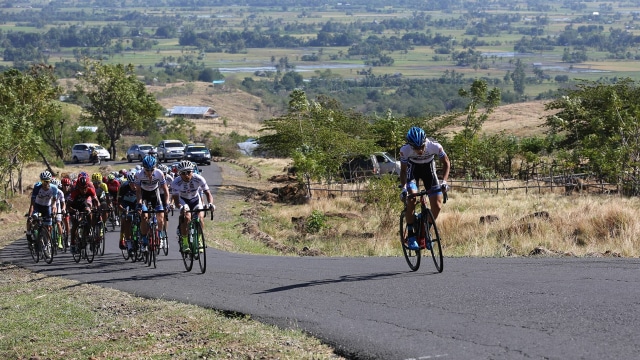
170	150
388	164
80	152
197	153
138	151
248	146
359	167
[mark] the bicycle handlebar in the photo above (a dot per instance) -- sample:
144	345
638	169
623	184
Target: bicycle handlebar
425	192
202	210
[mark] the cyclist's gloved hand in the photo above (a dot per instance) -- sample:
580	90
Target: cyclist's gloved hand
212	207
138	206
444	186
403	194
171	206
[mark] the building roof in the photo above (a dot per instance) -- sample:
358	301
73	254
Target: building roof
190	110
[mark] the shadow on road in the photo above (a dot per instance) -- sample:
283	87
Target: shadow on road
345	278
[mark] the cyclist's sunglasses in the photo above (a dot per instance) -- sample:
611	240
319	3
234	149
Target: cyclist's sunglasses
186	172
421	147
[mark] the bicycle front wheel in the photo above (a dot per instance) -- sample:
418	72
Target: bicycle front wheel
411	256
76	249
89	246
45	245
33	249
200	249
433	235
187	257
103	240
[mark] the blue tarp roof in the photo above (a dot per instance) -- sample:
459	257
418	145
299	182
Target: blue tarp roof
189	110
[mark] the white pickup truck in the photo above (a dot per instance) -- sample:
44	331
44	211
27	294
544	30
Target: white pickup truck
388	164
170	150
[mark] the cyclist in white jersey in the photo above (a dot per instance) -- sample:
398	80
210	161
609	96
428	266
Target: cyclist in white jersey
43	201
417	163
60	205
148	183
185	192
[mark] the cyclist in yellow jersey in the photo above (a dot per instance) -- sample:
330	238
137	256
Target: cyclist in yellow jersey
102	192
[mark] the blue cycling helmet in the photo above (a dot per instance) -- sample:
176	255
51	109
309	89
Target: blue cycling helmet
149	162
131	177
416	137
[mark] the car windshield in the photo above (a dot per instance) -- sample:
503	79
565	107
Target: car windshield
173	145
145	147
98	147
197	148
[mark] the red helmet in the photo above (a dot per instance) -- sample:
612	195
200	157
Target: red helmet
66	181
123	172
81	182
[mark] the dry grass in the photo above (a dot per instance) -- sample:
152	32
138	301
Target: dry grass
526	224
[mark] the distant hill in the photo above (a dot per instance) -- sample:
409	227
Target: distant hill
521	119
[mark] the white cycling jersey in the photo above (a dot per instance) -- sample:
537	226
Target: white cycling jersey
44	197
191	189
59	199
432	148
169	180
150	182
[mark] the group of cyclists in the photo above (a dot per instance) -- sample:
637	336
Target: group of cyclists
155	186
116	196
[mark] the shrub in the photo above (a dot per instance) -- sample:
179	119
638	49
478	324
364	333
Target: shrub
316	222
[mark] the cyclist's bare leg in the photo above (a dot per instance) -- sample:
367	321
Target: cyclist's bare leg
436	204
144	225
186	218
411	206
160	217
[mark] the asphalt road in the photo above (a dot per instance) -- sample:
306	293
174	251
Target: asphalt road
375	308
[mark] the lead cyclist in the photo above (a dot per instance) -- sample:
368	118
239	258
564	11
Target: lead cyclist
185	193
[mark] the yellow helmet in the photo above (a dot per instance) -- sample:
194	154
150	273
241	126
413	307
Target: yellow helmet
96	177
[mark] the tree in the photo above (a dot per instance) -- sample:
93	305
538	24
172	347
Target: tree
117	99
209	74
466	142
600	124
318	134
26	99
518	77
53	131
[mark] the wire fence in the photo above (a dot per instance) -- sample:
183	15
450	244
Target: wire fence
563	184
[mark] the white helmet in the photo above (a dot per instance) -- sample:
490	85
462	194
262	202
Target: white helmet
185	165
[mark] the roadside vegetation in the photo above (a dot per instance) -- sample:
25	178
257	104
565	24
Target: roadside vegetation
436	65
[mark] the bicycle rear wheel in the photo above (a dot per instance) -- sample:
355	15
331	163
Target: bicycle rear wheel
125	254
433	235
411	256
165	242
200	248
